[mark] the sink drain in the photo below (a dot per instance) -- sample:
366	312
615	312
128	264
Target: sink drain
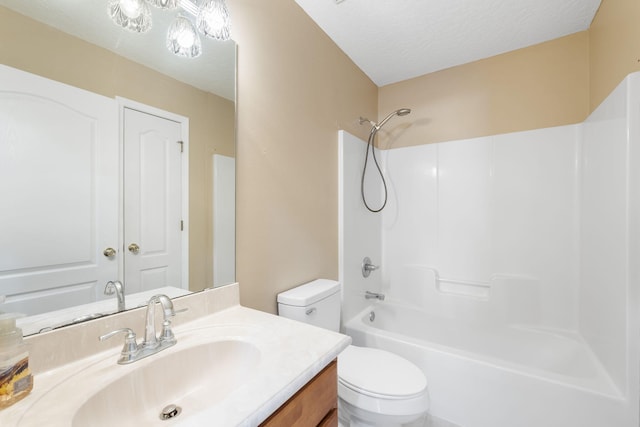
170	411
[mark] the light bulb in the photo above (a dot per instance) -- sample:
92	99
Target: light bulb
213	19
134	15
186	39
183	39
131	8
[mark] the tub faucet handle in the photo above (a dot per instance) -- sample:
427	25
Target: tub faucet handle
367	267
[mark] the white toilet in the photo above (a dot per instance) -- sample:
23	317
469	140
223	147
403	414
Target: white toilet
375	387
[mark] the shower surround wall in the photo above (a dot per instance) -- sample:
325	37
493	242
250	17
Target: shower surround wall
536	229
359	229
488	213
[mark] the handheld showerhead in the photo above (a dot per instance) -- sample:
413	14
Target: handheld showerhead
375	127
400	112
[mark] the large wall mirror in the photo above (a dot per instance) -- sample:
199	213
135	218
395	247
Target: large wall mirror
146	91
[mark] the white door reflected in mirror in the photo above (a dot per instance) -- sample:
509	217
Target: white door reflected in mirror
152	201
59	190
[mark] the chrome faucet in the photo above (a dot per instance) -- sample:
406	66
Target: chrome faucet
151	344
166	336
373	295
117	287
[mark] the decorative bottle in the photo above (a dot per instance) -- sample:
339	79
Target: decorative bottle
16	380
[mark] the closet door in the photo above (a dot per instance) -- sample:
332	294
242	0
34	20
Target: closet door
58	193
152	202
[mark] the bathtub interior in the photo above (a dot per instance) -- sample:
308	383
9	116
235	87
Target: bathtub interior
558	356
475	390
512	250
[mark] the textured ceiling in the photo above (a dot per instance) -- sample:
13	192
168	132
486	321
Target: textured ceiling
213	71
395	40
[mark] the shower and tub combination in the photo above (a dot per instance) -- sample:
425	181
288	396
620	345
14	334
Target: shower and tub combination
508	266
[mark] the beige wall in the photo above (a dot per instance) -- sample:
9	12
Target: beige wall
48	52
296	89
554	83
614	46
539	86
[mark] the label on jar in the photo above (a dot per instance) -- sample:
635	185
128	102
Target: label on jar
16	376
22	384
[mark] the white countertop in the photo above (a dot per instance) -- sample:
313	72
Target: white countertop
292	353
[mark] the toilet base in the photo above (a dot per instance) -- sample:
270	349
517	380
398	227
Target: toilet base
351	416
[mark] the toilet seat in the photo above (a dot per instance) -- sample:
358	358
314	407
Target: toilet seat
379	374
379	384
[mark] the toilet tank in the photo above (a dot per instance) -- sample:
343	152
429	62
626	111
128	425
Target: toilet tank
316	303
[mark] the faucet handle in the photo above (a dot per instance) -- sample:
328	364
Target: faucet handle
128	331
166	334
130	347
367	267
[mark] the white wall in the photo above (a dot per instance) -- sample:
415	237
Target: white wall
359	229
610	232
224	220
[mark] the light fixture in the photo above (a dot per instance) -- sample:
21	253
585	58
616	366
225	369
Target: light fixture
164	4
212	19
183	39
134	15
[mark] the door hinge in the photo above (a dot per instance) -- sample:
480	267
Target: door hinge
181	225
181	146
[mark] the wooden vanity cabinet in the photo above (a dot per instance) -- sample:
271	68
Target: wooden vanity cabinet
315	404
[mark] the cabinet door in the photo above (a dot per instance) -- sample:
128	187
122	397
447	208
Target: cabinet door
152	202
58	193
314	405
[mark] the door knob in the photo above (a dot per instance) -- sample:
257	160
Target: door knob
109	252
134	249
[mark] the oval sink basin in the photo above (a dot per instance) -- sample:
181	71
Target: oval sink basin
192	379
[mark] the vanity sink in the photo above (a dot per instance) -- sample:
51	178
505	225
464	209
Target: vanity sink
164	389
188	380
234	367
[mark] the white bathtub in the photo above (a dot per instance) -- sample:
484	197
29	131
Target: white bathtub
492	375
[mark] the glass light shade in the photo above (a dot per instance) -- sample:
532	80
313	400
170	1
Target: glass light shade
183	39
164	4
134	15
213	19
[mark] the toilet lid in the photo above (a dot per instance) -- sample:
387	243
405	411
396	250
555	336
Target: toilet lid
379	373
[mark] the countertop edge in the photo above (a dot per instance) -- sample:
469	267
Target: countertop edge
269	407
